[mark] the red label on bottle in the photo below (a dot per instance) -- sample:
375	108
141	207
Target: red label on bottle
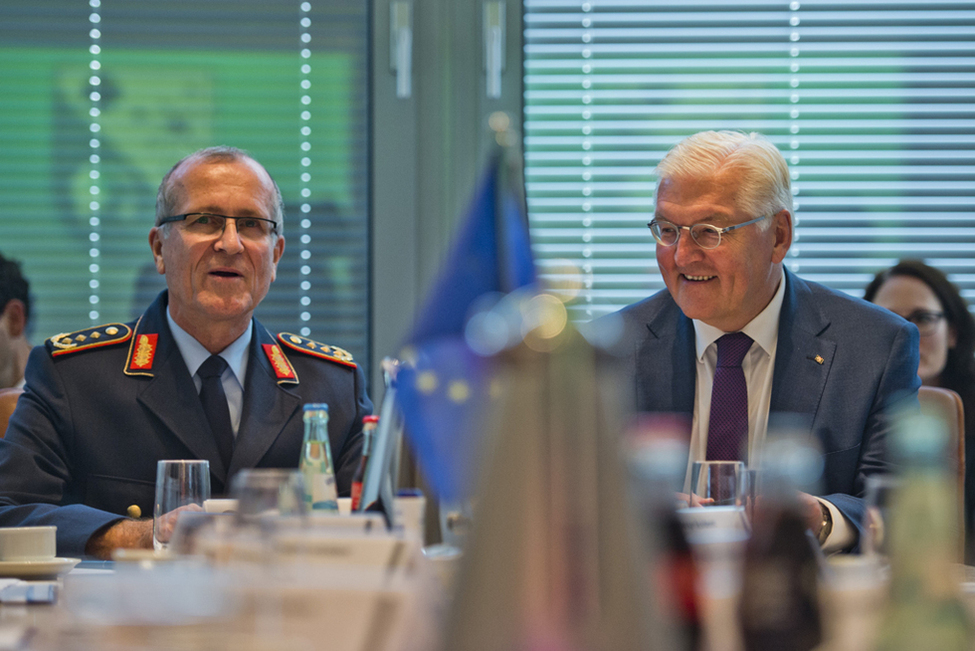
356	494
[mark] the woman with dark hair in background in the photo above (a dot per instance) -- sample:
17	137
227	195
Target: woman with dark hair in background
924	296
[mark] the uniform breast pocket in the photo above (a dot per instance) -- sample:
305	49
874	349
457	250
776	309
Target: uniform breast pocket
131	497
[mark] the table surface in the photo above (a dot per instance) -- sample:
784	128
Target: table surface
852	602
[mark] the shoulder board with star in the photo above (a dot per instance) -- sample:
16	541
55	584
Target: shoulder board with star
108	334
316	349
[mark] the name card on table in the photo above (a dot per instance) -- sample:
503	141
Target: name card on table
703	520
386	553
364	523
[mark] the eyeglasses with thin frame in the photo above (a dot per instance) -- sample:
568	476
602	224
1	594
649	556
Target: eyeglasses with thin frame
208	224
707	236
926	320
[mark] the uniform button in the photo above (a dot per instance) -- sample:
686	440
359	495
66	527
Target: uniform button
134	511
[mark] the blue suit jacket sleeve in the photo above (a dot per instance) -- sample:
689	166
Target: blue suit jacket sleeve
884	389
35	470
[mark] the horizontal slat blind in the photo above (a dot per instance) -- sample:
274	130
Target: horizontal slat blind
99	99
872	103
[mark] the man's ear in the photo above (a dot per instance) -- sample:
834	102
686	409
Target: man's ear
156	243
782	232
15	315
276	254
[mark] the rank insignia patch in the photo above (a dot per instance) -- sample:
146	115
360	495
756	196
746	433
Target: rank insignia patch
103	335
316	349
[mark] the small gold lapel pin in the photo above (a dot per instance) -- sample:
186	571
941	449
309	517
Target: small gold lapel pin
818	359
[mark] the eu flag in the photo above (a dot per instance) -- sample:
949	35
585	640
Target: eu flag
442	388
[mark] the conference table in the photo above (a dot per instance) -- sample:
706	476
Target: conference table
189	606
351	585
392	598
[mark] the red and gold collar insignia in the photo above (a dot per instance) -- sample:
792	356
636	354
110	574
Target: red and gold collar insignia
282	367
143	352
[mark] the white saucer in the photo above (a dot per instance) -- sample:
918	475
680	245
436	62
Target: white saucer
33	569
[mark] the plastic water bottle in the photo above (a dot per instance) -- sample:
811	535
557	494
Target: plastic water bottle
925	609
316	460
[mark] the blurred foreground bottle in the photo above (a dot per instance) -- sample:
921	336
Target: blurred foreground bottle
316	460
779	608
368	431
925	609
554	559
657	460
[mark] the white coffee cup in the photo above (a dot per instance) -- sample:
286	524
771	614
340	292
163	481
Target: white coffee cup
19	544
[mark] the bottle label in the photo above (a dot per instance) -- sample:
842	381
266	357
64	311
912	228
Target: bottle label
320	490
356	494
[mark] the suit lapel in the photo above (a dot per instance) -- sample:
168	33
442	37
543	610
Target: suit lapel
804	354
171	395
666	369
268	406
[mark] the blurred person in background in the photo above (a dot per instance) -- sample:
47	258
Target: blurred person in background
14	317
924	296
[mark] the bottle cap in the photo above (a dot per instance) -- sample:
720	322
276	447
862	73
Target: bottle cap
370	419
316	406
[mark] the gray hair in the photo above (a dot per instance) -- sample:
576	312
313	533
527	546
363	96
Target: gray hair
760	170
170	194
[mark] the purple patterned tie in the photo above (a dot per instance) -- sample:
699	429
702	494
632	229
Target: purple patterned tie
728	425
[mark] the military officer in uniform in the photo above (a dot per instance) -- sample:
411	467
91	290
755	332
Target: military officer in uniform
196	376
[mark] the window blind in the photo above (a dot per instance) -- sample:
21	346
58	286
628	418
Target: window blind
871	102
99	100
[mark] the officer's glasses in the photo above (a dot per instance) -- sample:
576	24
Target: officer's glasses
208	224
707	236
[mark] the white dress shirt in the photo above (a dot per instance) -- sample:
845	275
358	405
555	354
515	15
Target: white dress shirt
194	354
758	367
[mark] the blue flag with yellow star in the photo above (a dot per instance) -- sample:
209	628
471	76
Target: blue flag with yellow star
441	390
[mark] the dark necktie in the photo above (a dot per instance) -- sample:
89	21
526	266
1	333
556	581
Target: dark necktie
215	405
728	424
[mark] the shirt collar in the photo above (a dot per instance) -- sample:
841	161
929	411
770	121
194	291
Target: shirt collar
194	354
763	329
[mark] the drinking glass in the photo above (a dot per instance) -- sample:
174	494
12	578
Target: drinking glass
751	493
717	483
181	485
270	506
881	493
264	494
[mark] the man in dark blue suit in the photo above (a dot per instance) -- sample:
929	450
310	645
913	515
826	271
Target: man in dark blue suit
723	225
103	405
